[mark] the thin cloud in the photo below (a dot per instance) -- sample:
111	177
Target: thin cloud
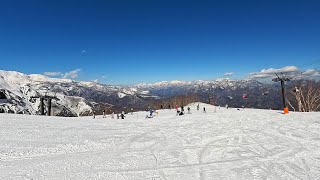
292	71
228	74
72	74
52	73
83	52
311	73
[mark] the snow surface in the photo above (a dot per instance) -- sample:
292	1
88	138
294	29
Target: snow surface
226	144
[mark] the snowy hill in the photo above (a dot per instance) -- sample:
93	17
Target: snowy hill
226	144
18	89
75	98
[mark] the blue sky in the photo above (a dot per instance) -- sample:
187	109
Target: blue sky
127	42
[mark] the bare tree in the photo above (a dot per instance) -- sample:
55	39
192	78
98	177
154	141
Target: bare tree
306	95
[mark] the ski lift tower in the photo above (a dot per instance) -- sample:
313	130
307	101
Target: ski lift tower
282	80
49	101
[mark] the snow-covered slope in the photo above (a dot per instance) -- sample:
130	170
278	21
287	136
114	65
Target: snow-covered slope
226	144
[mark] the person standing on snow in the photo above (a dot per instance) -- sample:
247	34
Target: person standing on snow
151	113
189	110
204	110
198	107
122	116
182	108
104	114
94	114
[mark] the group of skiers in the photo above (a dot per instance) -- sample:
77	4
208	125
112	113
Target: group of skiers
180	111
204	108
122	116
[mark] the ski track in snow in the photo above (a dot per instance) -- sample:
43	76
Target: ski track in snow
228	144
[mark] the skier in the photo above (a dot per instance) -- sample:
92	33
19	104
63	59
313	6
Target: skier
204	110
118	116
182	108
104	114
151	113
227	106
94	114
198	107
122	116
189	110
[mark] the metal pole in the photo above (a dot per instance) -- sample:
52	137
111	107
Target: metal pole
41	106
49	106
283	94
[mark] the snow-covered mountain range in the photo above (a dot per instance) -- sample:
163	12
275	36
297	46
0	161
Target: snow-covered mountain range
78	98
172	88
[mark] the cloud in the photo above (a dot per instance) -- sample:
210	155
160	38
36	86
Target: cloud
269	73
291	71
311	73
83	52
228	74
72	74
52	73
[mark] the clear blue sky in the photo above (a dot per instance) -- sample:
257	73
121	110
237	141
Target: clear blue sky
131	41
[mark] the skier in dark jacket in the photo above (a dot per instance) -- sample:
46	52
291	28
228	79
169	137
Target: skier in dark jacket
182	108
122	116
151	113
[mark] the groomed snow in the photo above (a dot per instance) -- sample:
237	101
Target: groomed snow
227	144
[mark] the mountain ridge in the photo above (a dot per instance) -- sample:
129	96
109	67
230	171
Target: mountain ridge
78	98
